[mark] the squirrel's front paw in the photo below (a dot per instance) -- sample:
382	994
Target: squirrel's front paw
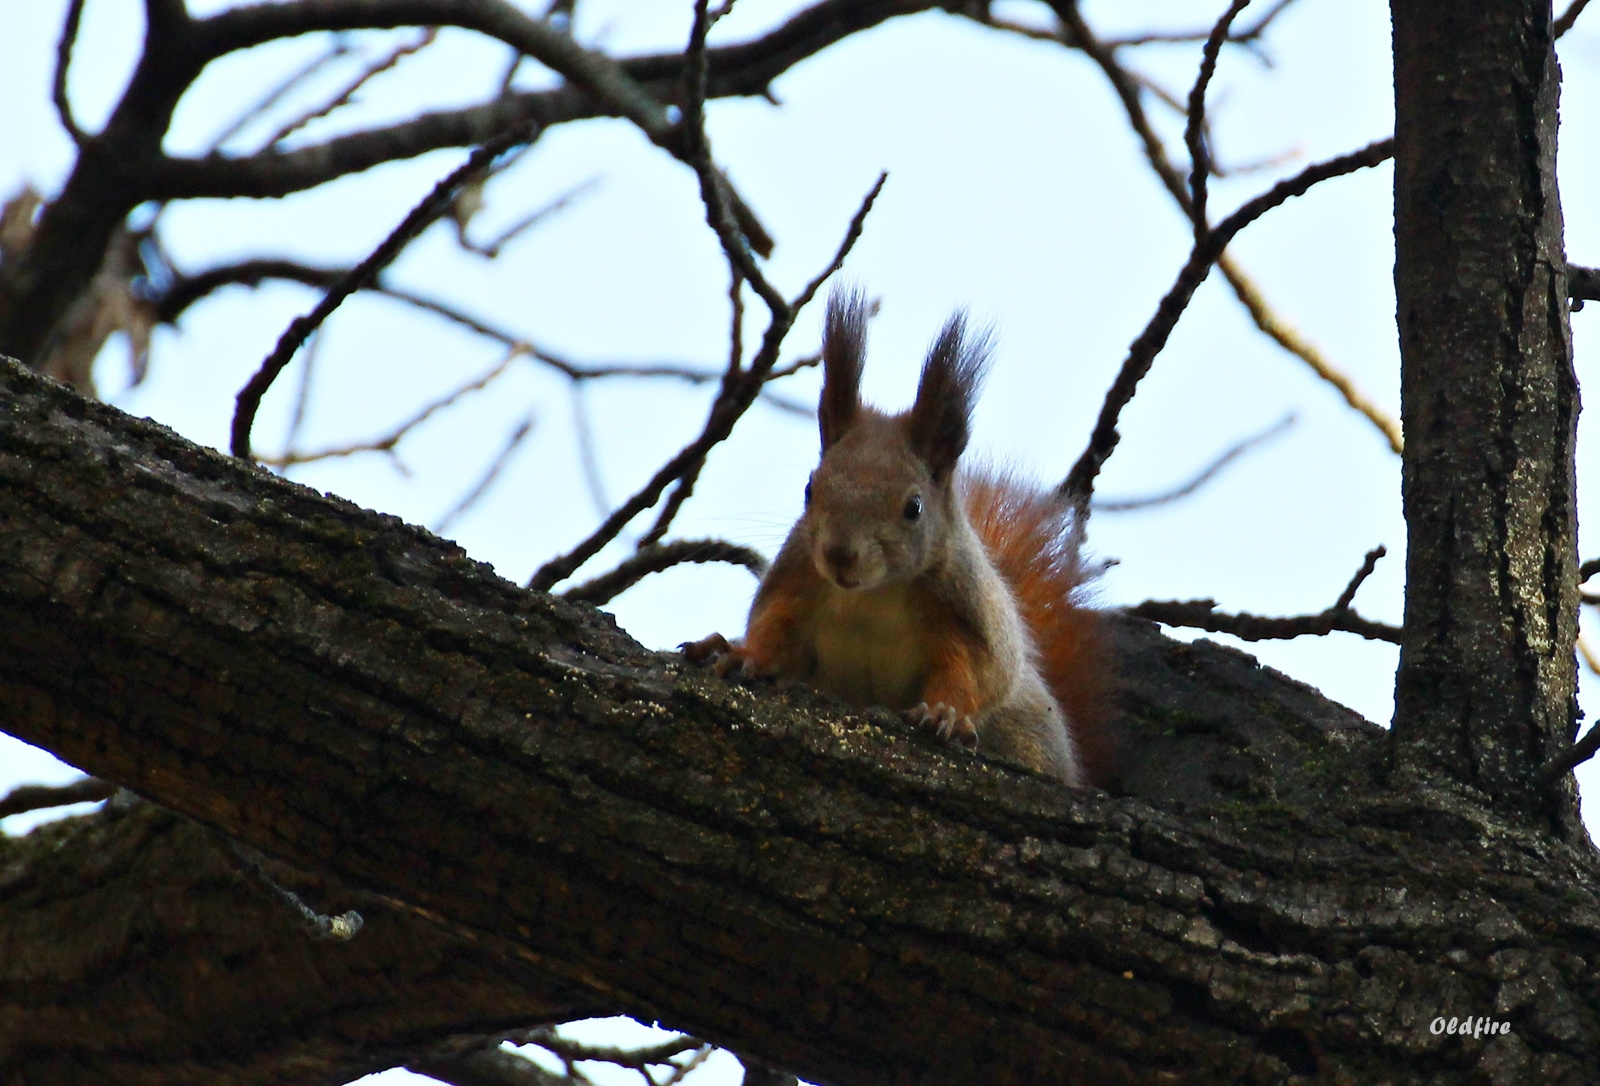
945	723
724	657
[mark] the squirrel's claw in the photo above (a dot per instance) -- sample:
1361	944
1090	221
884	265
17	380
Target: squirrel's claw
945	723
726	659
710	647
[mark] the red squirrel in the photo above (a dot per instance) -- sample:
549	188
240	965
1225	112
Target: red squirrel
947	595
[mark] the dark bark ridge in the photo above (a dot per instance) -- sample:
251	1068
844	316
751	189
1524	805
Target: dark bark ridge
821	889
1489	402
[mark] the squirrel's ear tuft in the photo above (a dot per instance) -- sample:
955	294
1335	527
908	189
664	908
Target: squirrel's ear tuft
941	419
844	351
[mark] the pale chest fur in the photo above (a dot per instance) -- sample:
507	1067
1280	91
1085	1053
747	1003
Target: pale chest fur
870	647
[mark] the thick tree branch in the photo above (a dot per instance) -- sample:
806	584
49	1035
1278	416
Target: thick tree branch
826	891
136	951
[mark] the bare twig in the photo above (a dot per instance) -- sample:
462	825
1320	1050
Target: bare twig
1571	758
337	48
492	249
490	1066
302	398
473	496
1076	32
1194	130
738	392
434	205
336	928
1290	339
637	1059
1246	36
1203	615
588	453
1583	285
1568	17
58	92
1079	484
341	99
660	556
1206	474
39	797
290	457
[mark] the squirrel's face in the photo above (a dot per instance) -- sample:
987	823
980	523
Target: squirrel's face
874	512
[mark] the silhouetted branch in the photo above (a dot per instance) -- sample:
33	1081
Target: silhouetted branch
1583	284
1570	16
39	797
432	206
1206	474
1079	483
659	556
1077	33
290	457
1194	130
1203	615
58	90
513	443
382	64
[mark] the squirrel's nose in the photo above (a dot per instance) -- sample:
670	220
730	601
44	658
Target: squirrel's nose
841	556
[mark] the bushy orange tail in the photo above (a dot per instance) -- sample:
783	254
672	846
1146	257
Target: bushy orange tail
1028	534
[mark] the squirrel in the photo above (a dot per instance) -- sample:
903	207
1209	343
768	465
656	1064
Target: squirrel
947	595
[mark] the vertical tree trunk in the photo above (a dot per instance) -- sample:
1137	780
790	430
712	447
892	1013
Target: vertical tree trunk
1486	690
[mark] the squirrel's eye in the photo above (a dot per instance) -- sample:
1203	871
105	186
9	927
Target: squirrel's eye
808	491
913	507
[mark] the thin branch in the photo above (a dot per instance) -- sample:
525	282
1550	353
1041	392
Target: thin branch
336	49
39	797
342	99
601	76
387	443
1568	17
1079	484
432	206
491	1066
1289	338
634	1058
560	203
743	68
1583	285
1588	569
659	556
1571	758
302	399
1206	474
734	398
1203	615
58	92
474	495
1076	32
1194	130
186	290
588	454
338	929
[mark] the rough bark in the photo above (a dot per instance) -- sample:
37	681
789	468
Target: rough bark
1487	686
822	889
135	948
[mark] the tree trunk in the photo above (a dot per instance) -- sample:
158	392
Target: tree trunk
1487	687
823	889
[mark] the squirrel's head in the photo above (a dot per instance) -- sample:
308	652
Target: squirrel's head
881	506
